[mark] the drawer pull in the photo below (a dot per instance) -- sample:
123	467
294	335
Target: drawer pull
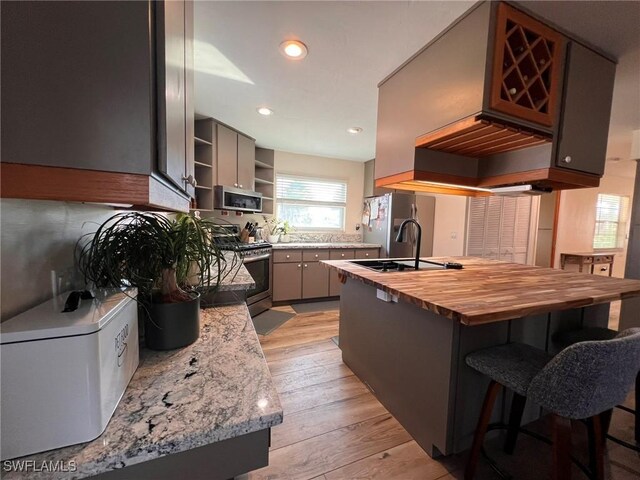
342	254
316	255
288	256
366	254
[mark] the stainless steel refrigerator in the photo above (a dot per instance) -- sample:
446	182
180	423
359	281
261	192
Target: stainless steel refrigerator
382	216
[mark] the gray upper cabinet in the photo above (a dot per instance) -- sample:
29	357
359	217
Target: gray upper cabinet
87	105
499	98
236	158
246	162
227	156
79	86
584	125
174	68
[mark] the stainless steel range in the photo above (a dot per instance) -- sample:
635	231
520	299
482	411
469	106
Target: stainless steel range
256	257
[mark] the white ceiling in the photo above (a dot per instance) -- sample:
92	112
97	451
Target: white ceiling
352	47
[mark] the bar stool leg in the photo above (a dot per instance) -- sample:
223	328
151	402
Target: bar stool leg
561	448
596	446
481	429
515	419
638	407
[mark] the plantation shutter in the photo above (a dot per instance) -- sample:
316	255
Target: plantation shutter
498	228
475	237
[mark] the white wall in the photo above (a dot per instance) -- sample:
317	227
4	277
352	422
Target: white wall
577	216
352	172
450	221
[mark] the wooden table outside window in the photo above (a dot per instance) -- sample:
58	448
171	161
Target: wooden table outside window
582	259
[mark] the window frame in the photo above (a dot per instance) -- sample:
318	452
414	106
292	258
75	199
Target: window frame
621	224
285	201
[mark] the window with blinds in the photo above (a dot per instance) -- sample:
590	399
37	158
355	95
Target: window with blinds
499	227
308	203
611	221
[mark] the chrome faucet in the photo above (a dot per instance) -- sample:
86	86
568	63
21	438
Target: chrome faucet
400	237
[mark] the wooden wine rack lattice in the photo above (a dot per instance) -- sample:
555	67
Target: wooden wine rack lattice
526	67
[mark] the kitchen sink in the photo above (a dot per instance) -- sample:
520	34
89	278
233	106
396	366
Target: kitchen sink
403	264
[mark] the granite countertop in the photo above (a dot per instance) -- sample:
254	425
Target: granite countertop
218	388
488	291
310	245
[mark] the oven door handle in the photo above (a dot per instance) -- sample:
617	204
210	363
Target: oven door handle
256	259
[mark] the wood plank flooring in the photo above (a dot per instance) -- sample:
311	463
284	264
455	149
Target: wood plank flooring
334	428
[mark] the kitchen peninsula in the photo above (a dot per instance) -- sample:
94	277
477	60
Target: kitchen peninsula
406	334
203	411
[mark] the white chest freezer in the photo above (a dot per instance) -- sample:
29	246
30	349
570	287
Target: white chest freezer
63	374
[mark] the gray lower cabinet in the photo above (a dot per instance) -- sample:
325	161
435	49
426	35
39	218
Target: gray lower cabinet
287	281
298	274
315	276
315	280
334	282
365	253
584	128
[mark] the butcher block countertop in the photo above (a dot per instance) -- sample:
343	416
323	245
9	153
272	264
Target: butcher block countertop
488	291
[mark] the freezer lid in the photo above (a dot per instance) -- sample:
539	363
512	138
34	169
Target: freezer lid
47	320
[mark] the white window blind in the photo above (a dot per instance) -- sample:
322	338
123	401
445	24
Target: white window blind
611	221
498	228
310	203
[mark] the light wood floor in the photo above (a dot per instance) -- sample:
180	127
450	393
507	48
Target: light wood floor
334	428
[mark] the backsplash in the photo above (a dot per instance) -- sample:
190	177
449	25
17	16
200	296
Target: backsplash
326	237
38	237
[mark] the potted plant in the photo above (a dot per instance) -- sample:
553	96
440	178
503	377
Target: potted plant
272	227
167	259
285	228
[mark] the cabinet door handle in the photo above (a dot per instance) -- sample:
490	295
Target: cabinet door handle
567	159
235	185
306	266
239	186
299	265
190	180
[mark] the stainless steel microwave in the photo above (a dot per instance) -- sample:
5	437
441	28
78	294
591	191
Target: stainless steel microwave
230	198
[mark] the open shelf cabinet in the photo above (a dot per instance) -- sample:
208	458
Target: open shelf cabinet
265	178
205	155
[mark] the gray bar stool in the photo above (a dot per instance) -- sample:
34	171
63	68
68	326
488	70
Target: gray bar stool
581	382
598	333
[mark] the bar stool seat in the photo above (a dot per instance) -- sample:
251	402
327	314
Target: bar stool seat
513	365
583	381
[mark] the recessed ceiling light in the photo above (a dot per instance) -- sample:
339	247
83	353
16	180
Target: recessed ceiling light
354	130
293	49
264	111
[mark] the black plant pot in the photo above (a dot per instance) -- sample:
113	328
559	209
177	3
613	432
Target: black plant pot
168	326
